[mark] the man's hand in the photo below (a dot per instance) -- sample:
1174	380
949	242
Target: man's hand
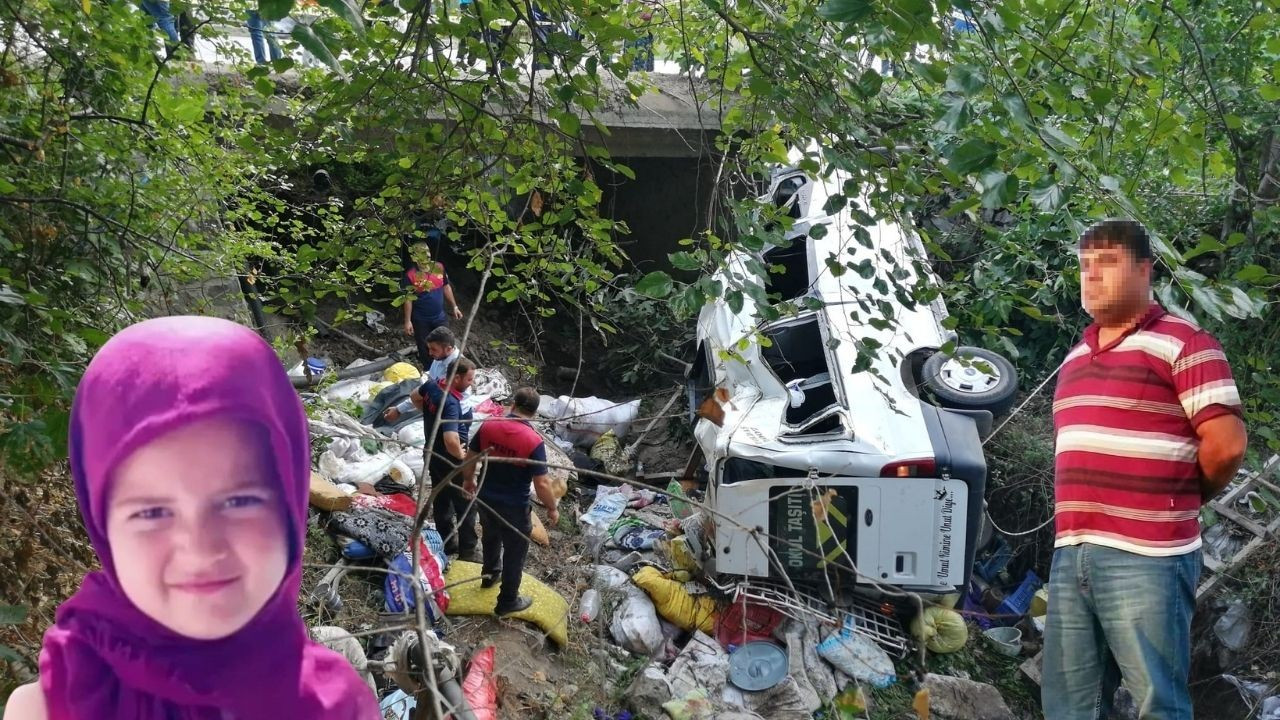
469	487
408	328
553	516
457	312
391	415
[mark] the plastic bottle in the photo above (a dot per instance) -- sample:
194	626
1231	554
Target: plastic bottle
589	605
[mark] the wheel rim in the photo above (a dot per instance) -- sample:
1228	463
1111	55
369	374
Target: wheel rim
969	378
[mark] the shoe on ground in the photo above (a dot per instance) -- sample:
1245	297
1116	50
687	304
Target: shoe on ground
524	602
488	580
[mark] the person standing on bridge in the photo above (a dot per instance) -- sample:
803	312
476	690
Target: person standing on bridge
429	294
504	496
1147	424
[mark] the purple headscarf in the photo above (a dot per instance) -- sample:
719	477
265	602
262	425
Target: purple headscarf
104	658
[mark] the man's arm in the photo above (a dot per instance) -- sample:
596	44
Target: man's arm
448	297
469	472
1223	441
408	314
392	413
542	486
453	444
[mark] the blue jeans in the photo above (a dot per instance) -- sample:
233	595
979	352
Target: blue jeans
159	11
262	42
1116	615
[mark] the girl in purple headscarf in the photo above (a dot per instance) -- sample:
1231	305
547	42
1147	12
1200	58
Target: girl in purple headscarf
191	460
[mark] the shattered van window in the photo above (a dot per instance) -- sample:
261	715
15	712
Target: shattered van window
791	280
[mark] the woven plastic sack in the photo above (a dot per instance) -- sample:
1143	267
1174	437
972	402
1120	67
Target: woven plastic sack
400	372
550	611
399	591
942	630
857	656
480	688
675	604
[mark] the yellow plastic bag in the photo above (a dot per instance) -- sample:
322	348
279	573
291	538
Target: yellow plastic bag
942	630
549	611
673	603
400	372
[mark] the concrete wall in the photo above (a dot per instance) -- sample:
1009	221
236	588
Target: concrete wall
666	202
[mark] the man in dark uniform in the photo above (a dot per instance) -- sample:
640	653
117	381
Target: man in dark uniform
504	496
450	508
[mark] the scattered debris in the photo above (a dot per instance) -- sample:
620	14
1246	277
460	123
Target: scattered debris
952	698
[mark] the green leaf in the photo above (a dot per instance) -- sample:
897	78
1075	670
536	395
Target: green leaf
274	9
1270	93
569	123
1058	139
7	187
869	83
1208	244
998	189
965	79
1252	273
13	614
845	11
309	40
347	10
971	156
1017	109
957	117
656	284
684	261
1048	198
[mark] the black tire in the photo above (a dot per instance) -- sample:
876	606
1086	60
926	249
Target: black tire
941	375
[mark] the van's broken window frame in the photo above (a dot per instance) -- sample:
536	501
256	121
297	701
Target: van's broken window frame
801	430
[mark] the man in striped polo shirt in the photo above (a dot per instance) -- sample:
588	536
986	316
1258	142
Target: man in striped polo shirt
1147	424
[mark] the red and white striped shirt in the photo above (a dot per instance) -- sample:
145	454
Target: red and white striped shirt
1125	418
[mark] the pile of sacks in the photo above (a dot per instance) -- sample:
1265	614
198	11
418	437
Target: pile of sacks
654	607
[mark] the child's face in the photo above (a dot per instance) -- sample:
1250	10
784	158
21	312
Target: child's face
197	529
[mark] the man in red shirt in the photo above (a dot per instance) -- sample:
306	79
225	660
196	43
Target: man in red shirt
504	495
1147	424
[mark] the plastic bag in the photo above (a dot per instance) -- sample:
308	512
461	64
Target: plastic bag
609	453
942	630
413	434
857	656
674	603
635	623
400	372
608	506
340	641
582	421
348	390
368	470
399	591
402	473
480	688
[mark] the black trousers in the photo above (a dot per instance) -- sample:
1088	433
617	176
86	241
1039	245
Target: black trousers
450	512
506	545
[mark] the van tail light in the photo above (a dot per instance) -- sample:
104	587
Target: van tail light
923	467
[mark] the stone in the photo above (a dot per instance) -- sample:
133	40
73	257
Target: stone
952	698
1033	668
649	691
